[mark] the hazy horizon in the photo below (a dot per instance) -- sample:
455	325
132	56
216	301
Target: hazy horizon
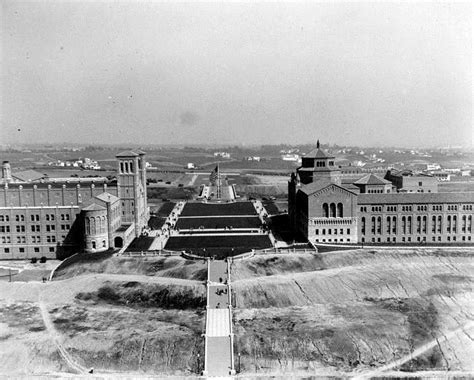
382	74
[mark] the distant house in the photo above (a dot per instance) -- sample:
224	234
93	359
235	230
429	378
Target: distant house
406	181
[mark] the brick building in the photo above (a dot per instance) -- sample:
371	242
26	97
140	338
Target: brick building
46	217
325	207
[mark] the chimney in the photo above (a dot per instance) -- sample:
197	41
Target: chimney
6	171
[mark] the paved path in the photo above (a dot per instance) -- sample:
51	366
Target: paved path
219	338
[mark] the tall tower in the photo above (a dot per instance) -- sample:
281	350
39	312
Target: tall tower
131	184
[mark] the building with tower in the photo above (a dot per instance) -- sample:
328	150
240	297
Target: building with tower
51	218
327	207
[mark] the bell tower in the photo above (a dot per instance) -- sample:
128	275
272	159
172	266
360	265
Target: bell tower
131	189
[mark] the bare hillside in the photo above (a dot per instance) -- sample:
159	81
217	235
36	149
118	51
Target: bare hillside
355	311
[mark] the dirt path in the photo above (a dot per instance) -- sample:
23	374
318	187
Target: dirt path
56	339
418	352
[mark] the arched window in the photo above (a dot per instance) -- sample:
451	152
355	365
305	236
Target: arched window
440	224
379	225
373	225
389	219
363	225
325	210
93	244
131	166
418	224
333	210
88	226
394	224
404	225
93	226
339	210
126	166
424	224
464	222
454	223
121	167
449	223
410	231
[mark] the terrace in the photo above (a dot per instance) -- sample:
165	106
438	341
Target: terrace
218	246
216	209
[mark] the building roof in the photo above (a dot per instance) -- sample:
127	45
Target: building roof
318	153
127	153
372	179
313	187
28	175
410	198
94	207
139	151
107	197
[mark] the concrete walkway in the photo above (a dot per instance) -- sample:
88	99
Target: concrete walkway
219	360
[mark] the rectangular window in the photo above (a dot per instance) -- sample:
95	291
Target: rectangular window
22	250
7	250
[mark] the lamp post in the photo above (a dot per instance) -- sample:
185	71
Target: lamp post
198	363
239	361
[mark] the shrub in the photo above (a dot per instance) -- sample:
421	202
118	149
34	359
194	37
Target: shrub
107	293
34	260
43	259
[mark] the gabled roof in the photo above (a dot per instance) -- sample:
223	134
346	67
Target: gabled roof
371	179
107	197
28	175
139	151
94	207
127	153
314	187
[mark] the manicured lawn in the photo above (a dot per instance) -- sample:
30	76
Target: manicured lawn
222	222
214	209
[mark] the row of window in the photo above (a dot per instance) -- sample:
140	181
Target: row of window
127	166
421	224
332	210
22	249
418	208
418	239
96	225
94	244
332	240
331	231
35	228
33	217
34	239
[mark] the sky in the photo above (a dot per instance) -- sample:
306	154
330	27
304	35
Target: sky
347	73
